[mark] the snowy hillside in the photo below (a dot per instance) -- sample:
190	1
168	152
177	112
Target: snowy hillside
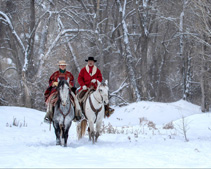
159	113
144	134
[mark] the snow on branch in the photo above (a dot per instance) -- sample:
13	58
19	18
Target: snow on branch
9	68
9	23
62	33
43	57
122	86
6	19
6	86
2	100
70	47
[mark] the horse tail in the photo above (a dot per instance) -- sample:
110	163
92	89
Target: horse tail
81	128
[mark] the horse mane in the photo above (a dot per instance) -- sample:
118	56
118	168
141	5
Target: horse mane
61	83
103	84
58	101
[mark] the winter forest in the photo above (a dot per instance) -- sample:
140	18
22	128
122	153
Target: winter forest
155	50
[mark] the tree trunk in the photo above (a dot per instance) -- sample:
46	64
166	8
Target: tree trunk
28	66
204	82
143	45
128	53
26	92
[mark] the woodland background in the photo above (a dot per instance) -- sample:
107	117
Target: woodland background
157	50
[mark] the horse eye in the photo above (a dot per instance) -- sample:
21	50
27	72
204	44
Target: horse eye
100	90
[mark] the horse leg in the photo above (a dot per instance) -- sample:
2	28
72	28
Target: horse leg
57	133
65	137
96	136
92	137
91	132
61	126
66	131
98	126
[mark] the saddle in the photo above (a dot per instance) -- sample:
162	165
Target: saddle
82	96
53	98
51	102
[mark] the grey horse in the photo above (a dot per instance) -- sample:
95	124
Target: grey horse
63	113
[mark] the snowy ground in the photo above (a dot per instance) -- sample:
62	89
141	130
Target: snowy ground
128	140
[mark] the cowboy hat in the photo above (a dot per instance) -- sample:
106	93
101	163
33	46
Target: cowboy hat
91	58
62	62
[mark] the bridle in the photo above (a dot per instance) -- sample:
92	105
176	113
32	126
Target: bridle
64	115
100	102
92	106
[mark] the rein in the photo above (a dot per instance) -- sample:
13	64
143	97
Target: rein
100	102
93	109
65	115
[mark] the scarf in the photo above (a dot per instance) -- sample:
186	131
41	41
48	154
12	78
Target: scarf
90	69
62	71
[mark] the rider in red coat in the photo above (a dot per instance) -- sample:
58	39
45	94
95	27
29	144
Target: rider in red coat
58	75
88	77
53	83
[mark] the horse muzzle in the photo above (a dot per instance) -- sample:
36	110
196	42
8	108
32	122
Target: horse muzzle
105	102
64	103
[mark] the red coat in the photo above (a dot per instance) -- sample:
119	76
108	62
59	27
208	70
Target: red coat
84	78
54	78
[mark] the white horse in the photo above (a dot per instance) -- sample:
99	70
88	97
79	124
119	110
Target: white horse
94	112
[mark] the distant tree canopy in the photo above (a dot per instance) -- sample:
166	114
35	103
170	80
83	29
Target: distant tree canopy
147	50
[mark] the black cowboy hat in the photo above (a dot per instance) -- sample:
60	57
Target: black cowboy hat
91	58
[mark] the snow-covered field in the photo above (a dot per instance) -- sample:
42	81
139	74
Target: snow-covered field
133	137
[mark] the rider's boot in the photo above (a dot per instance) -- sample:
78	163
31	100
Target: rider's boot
108	111
78	112
78	118
78	115
49	115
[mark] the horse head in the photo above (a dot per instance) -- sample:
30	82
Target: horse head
63	90
102	88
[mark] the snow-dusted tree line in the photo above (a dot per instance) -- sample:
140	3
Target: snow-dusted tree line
147	49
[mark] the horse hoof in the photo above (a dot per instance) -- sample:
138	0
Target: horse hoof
58	143
46	120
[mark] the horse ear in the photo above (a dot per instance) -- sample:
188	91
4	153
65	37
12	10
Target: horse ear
68	80
106	82
58	80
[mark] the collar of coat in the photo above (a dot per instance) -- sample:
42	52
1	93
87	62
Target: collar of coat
94	70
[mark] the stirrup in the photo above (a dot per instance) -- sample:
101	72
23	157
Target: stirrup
77	118
47	120
111	111
107	114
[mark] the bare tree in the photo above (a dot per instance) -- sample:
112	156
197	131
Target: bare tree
148	50
203	28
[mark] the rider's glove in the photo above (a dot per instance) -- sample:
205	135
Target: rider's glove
84	87
93	80
55	84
